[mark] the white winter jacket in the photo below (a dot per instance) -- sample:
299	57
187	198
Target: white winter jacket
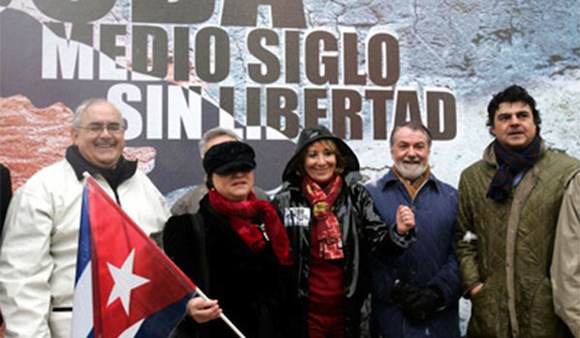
39	246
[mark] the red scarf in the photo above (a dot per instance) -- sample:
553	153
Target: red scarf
241	216
327	229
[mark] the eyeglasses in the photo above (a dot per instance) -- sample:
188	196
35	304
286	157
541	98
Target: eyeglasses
97	128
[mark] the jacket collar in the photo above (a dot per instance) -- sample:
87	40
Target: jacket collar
390	178
122	172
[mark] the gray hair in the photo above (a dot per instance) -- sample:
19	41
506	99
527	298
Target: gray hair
415	126
213	133
84	106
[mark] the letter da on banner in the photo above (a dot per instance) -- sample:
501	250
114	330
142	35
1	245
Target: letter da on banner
285	14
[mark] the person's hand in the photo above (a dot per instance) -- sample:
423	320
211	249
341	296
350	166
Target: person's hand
475	290
416	304
404	294
202	311
405	219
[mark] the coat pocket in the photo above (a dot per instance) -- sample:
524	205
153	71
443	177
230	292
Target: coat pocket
484	320
543	320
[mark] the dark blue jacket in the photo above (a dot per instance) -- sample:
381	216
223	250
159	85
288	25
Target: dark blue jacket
430	261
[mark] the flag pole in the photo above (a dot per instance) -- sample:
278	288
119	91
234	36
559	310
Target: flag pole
222	316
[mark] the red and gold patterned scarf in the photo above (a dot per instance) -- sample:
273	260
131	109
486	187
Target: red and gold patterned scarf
326	223
243	216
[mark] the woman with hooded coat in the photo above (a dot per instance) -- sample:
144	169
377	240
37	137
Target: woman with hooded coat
332	225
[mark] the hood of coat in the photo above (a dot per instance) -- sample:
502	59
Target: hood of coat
311	135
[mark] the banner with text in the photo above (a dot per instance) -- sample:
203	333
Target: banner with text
270	68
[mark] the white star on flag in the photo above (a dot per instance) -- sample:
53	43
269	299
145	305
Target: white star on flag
125	281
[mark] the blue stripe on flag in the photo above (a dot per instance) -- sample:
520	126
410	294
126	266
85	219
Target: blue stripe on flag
162	323
83	295
84	249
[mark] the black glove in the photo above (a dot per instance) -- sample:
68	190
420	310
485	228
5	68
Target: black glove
417	304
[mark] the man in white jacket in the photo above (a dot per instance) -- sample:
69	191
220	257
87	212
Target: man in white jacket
39	244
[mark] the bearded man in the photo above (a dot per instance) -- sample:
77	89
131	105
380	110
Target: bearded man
416	294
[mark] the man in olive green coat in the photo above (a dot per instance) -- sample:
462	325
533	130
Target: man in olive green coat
507	214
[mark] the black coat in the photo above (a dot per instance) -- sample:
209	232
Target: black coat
216	259
5	193
5	197
363	231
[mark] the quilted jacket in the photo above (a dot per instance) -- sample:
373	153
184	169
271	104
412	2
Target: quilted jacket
508	247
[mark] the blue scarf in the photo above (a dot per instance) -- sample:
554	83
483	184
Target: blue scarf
510	164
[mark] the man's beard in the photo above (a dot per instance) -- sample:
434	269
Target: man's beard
409	170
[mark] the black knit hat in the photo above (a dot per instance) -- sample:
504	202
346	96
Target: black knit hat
224	157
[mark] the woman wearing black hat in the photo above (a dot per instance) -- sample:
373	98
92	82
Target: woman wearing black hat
331	224
234	249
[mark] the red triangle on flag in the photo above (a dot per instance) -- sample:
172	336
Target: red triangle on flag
132	277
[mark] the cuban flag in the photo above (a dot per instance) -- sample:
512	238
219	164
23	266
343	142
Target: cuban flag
125	286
